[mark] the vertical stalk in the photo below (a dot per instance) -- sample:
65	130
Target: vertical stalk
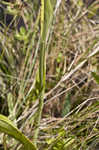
42	74
46	20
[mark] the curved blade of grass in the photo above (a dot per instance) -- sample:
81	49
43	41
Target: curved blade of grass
9	128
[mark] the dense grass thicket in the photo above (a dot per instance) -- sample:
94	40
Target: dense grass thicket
49	75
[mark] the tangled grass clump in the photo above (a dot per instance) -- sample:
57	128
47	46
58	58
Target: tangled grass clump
70	113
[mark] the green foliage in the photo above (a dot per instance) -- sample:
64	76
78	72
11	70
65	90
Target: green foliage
59	58
9	128
12	11
10	102
80	3
48	15
53	3
93	11
72	131
72	53
67	105
46	20
22	35
96	77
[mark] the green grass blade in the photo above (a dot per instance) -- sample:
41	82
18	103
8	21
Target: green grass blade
9	128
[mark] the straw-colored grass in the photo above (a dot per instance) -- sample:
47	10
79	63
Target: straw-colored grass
69	115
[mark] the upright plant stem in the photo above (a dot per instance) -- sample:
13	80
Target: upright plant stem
42	73
46	20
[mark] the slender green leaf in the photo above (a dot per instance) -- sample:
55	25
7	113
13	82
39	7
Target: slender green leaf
48	16
9	128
